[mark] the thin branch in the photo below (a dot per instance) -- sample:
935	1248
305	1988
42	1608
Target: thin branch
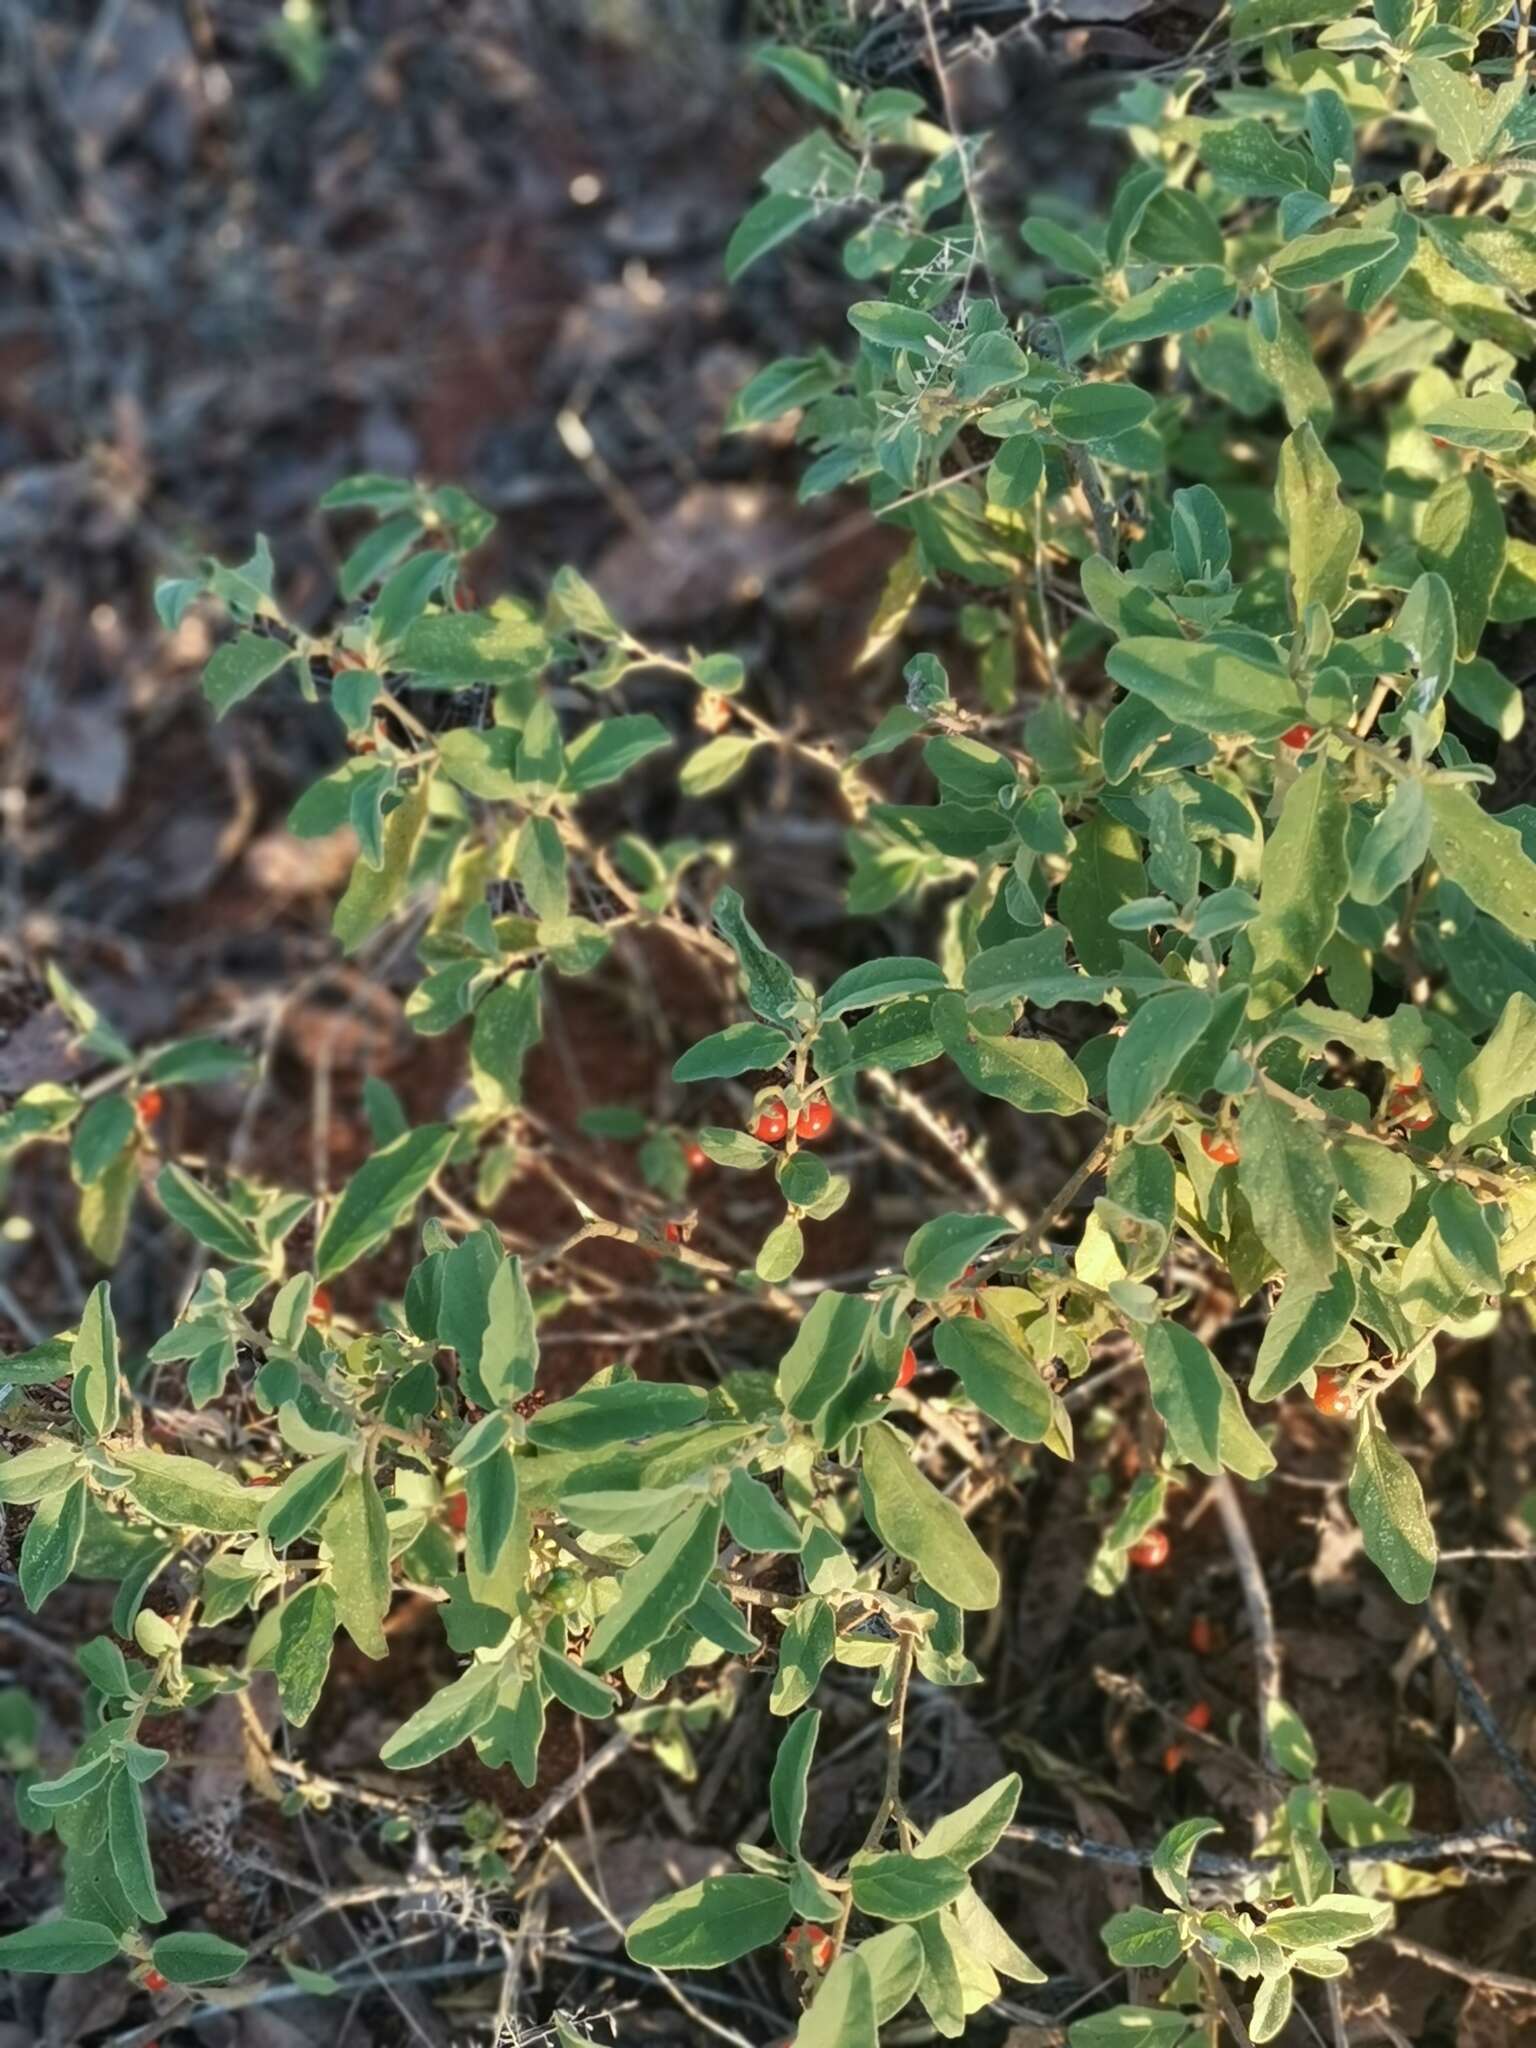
1475	1700
1261	1618
1511	1838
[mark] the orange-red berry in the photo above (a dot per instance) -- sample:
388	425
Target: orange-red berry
1297	736
908	1369
155	1981
815	1120
1332	1396
1202	1637
320	1305
695	1158
149	1105
1173	1758
457	1505
1219	1148
808	1945
673	1233
1151	1552
1198	1716
772	1123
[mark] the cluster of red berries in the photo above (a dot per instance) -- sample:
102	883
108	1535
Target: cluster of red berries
814	1121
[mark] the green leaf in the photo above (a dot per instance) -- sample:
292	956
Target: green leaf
376	890
1458	110
1323	533
659	1590
356	1533
997	1378
301	1499
1387	1501
805	1650
197	1958
1031	1074
184	1493
755	1519
1175	1854
1304	1323
1098	412
1208	686
880	981
212	1222
128	1842
507	1026
1142	1939
1393	850
1462	538
1337	1920
781	1252
1271	2008
1106	874
974	1830
509	1347
595	1416
1290	1744
1131	2026
609	748
738	1049
1483	857
1016	474
1175	304
1151	1049
305	1630
763	227
1290	1183
103	1132
95	1393
717	763
503	644
1500	1076
891	1885
1251	160
575	1688
938	1253
59	1948
46	1468
769	984
913	1518
710	1924
1489	422
1304	877
899	327
788	1783
843	2014
380	1196
1326	257
240	667
1203	1411
490	1489
448	1718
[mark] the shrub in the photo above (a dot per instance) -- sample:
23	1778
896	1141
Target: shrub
1250	448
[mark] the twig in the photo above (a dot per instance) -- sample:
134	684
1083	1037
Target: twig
1475	1701
1261	1618
1510	1837
1499	1982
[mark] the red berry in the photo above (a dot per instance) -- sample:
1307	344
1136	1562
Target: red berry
262	1479
908	1369
1202	1637
695	1158
1151	1552
804	1946
1219	1148
1297	736
154	1981
772	1123
815	1120
320	1305
1332	1396
1173	1758
149	1105
1199	1716
457	1505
